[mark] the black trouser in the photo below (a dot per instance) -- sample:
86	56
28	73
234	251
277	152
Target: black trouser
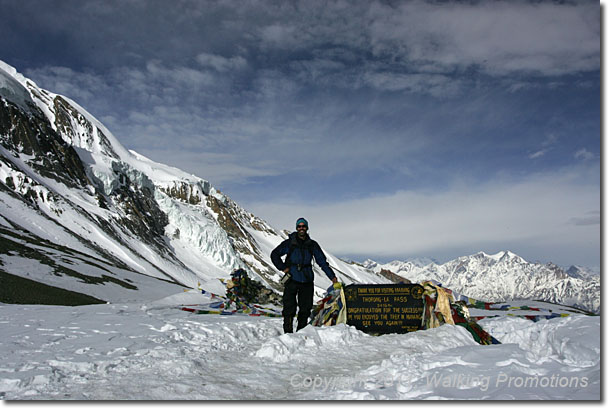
293	292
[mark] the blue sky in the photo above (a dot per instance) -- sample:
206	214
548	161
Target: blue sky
398	128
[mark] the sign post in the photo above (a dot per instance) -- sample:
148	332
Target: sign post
382	309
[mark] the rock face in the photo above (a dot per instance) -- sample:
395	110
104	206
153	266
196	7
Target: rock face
75	201
505	276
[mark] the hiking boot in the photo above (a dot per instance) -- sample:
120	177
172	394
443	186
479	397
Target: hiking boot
288	325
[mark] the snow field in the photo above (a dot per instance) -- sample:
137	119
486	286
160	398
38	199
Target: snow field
119	352
158	352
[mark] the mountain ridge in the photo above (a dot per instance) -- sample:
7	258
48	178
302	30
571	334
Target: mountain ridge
505	276
65	178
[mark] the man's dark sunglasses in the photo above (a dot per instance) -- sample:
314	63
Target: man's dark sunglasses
301	226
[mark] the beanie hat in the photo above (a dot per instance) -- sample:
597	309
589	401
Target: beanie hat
303	220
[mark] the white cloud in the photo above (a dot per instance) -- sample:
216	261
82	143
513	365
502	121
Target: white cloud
217	168
220	63
501	37
551	139
281	35
549	213
318	69
437	85
548	143
177	76
590	218
584	154
65	81
424	47
308	24
537	154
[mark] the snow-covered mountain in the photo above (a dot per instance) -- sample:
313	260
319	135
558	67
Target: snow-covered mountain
582	272
80	213
406	264
505	276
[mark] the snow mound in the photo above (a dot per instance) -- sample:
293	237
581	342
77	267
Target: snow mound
551	340
308	341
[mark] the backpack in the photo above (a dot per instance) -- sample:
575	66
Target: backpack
295	244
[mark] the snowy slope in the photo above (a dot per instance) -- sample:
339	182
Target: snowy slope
66	180
158	352
505	276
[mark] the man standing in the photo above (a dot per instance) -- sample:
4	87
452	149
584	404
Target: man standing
298	290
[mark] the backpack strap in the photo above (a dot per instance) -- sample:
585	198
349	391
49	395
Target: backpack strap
293	245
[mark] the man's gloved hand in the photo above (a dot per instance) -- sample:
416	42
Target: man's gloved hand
337	285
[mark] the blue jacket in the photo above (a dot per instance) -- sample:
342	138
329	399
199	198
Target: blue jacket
303	253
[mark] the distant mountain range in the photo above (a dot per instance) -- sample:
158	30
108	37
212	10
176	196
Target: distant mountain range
504	276
83	220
